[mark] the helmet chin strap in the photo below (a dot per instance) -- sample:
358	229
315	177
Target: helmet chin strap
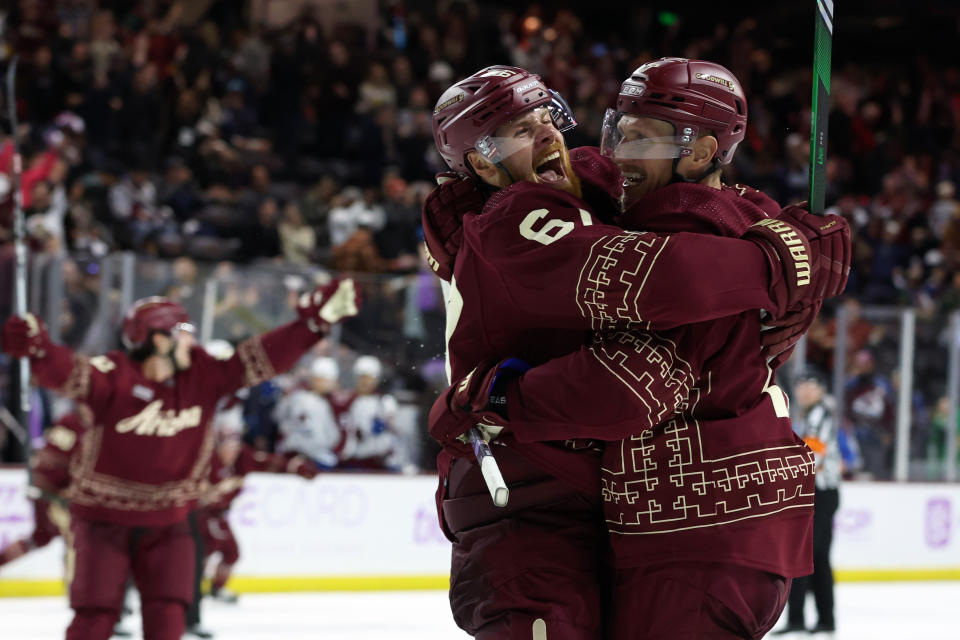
677	177
499	164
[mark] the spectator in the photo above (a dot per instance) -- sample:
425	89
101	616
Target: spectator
134	206
297	239
870	401
349	211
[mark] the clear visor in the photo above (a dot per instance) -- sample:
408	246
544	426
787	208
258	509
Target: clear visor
521	132
623	139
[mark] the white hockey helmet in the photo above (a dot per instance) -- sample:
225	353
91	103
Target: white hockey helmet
367	366
325	368
228	424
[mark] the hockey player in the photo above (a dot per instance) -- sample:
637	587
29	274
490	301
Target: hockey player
372	441
309	419
50	477
234	460
147	457
534	270
727	539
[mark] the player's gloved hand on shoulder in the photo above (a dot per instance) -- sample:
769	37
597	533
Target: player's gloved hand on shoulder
455	196
25	337
478	399
329	304
809	257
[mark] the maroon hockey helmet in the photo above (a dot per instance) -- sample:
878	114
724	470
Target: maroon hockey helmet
693	95
470	111
153	314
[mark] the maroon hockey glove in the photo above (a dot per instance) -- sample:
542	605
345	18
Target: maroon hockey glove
302	467
25	337
792	271
329	304
443	211
779	337
477	399
829	238
809	257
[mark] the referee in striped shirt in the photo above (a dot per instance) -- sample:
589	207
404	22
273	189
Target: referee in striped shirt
818	426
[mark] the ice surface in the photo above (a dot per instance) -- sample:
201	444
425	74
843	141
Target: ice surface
865	611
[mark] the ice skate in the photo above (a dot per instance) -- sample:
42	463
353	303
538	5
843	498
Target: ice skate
196	631
224	595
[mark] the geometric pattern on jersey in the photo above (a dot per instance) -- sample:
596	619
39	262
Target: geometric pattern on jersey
627	258
662	480
649	367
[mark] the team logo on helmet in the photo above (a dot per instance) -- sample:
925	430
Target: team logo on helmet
716	80
446	103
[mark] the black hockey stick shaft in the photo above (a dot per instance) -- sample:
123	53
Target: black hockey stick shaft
820	105
20	244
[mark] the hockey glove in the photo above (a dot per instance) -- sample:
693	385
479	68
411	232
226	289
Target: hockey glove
443	211
302	467
329	304
829	238
779	337
478	399
809	260
25	337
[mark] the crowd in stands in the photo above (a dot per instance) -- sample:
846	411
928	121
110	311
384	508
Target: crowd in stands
212	138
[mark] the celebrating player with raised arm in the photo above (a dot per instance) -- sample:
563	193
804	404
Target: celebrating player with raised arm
146	459
531	273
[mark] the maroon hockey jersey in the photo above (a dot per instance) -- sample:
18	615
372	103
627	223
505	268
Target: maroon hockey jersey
146	457
537	268
720	476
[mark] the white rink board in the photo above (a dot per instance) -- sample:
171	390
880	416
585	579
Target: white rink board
883	525
385	525
339	524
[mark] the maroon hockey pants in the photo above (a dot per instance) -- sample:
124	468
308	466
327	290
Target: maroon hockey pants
161	560
218	537
696	601
533	571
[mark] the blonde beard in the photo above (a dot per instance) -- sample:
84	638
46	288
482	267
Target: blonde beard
574	186
571	185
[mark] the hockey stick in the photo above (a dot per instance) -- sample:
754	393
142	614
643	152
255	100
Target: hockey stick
19	243
498	489
820	105
499	492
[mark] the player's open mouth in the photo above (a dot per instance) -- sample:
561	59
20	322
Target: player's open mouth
633	178
549	169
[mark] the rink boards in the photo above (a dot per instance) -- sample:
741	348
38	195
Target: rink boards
375	532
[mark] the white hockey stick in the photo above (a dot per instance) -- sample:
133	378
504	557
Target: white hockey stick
498	489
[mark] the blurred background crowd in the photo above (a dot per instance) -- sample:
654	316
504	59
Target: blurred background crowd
258	142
